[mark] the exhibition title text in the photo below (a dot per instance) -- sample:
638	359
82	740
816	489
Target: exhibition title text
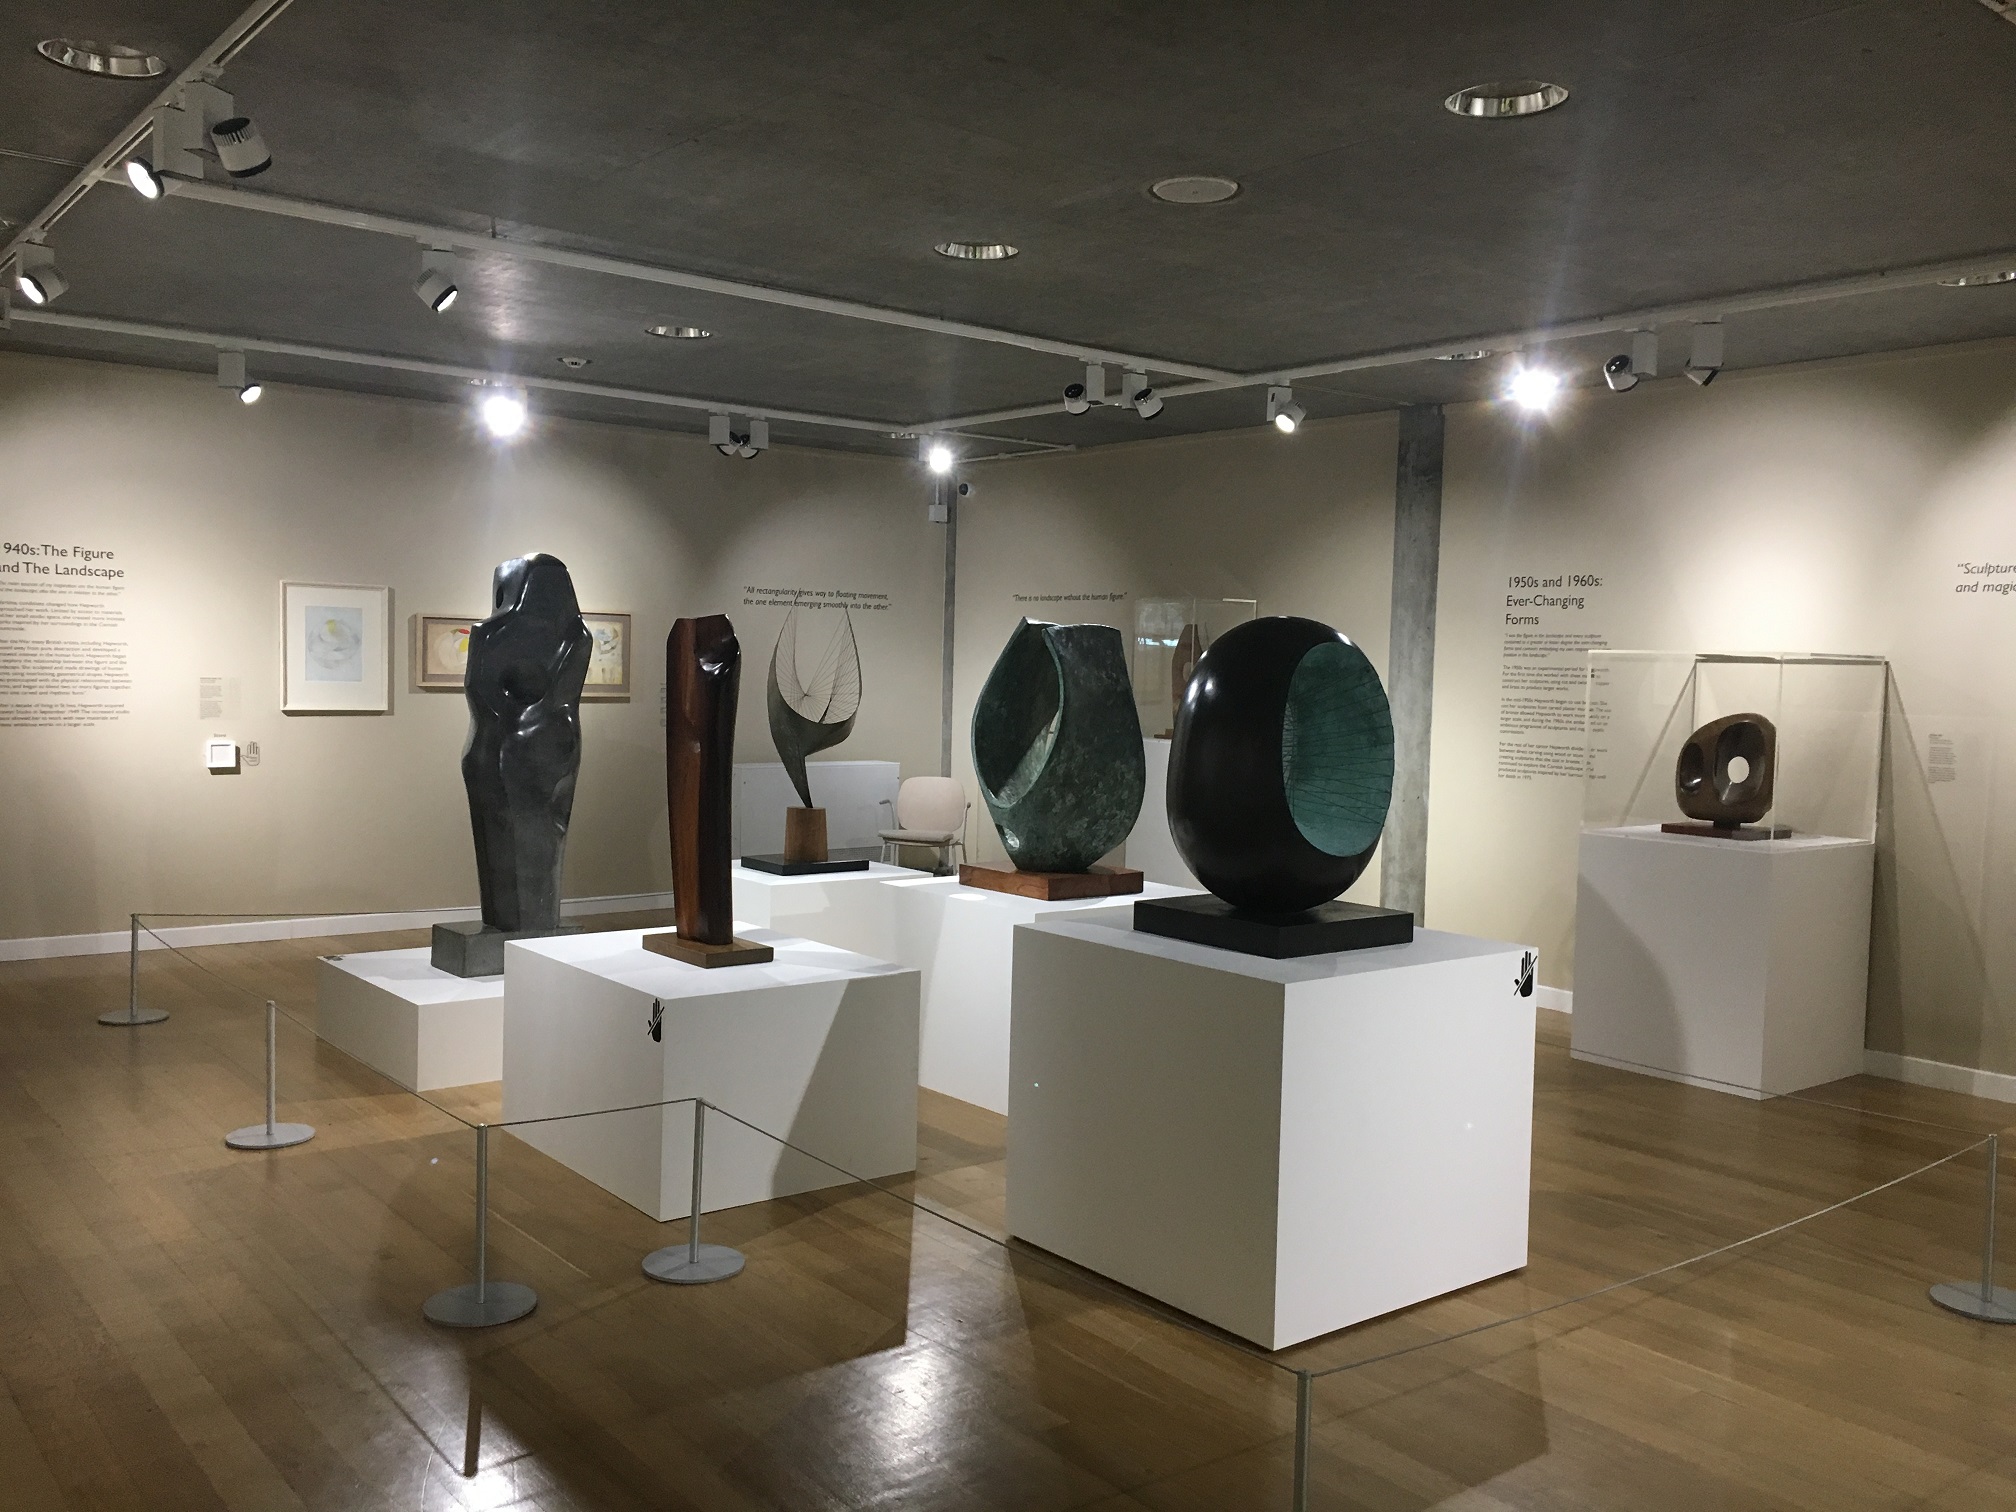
1538	598
29	559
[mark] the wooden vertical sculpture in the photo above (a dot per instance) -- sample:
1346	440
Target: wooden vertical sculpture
703	672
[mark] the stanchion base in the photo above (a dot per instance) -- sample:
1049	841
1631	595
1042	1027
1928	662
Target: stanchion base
258	1137
460	1307
1964	1297
717	1262
120	1016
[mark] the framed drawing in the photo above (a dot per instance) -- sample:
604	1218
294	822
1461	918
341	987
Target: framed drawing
440	653
335	638
609	663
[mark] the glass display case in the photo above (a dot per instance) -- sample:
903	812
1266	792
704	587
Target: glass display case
1787	744
1170	634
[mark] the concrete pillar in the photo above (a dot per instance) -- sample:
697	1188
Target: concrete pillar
1410	666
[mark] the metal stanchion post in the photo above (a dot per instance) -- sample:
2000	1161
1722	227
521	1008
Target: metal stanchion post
1986	1301
483	1303
1305	1391
694	1263
134	1015
270	1135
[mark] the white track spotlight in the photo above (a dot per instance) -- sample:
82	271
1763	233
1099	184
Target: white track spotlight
503	412
146	183
1135	390
1704	352
436	287
231	375
937	456
35	274
1533	388
240	149
1624	371
759	436
1080	397
1283	413
733	443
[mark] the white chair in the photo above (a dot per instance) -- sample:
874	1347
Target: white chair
929	812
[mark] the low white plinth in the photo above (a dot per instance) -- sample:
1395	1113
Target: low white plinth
851	792
1282	1148
853	910
962	941
1741	965
421	1027
818	1047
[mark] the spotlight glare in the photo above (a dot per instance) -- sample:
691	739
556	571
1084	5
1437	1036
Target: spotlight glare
939	458
1534	388
250	393
504	414
145	181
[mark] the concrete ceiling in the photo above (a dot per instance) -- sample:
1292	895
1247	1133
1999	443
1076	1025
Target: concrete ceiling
1709	149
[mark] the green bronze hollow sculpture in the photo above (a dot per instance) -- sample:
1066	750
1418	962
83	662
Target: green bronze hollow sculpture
1057	746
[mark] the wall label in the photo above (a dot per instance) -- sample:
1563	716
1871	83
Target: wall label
1545	698
63	636
755	597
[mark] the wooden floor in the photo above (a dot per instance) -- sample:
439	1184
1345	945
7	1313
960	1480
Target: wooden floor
182	1326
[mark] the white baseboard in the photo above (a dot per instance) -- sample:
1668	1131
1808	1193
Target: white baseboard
1554	999
1948	1078
241	931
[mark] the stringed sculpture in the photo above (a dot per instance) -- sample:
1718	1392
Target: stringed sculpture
527	664
809	715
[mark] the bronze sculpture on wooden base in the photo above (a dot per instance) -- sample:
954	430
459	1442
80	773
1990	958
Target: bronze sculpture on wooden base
808	715
703	673
1725	778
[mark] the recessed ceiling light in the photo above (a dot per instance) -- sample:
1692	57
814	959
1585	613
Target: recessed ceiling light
111	60
1514	97
1976	280
574	362
678	333
976	251
1194	189
1476	354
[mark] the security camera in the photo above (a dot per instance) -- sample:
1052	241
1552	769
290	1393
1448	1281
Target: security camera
1075	402
1618	373
240	148
964	489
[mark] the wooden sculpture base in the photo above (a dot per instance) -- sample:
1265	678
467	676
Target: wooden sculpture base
804	834
1054	887
699	953
1717	832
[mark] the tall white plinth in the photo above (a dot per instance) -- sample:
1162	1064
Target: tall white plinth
1282	1148
421	1027
1741	965
962	942
819	1047
852	910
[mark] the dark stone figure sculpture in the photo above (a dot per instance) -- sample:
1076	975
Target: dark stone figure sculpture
1057	746
703	676
1708	791
527	664
1280	774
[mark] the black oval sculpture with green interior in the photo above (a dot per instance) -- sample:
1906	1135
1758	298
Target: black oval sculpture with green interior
1281	767
1057	746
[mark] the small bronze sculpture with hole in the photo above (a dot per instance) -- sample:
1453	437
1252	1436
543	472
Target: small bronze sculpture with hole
1724	779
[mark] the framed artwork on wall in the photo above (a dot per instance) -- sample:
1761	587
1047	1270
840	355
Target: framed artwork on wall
336	641
609	663
439	657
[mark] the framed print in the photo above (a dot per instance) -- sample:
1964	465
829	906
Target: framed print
335	638
609	663
440	654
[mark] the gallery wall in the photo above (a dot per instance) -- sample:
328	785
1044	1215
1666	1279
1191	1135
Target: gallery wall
206	506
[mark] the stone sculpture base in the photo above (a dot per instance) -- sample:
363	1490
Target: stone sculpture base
700	953
477	950
1326	929
1717	832
1054	887
779	864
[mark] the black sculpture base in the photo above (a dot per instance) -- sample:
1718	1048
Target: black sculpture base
778	866
1729	831
1323	930
476	950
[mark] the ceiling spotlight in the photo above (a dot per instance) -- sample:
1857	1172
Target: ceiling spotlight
231	375
733	443
1704	352
1978	280
938	456
436	287
1194	189
146	183
1624	371
678	333
577	363
109	60
35	274
1283	413
503	412
1497	102
1080	397
976	251
1475	354
240	148
1533	388
1147	403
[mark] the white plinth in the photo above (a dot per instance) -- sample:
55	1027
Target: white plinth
1151	849
851	792
1282	1148
1741	965
853	910
962	942
819	1047
421	1027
